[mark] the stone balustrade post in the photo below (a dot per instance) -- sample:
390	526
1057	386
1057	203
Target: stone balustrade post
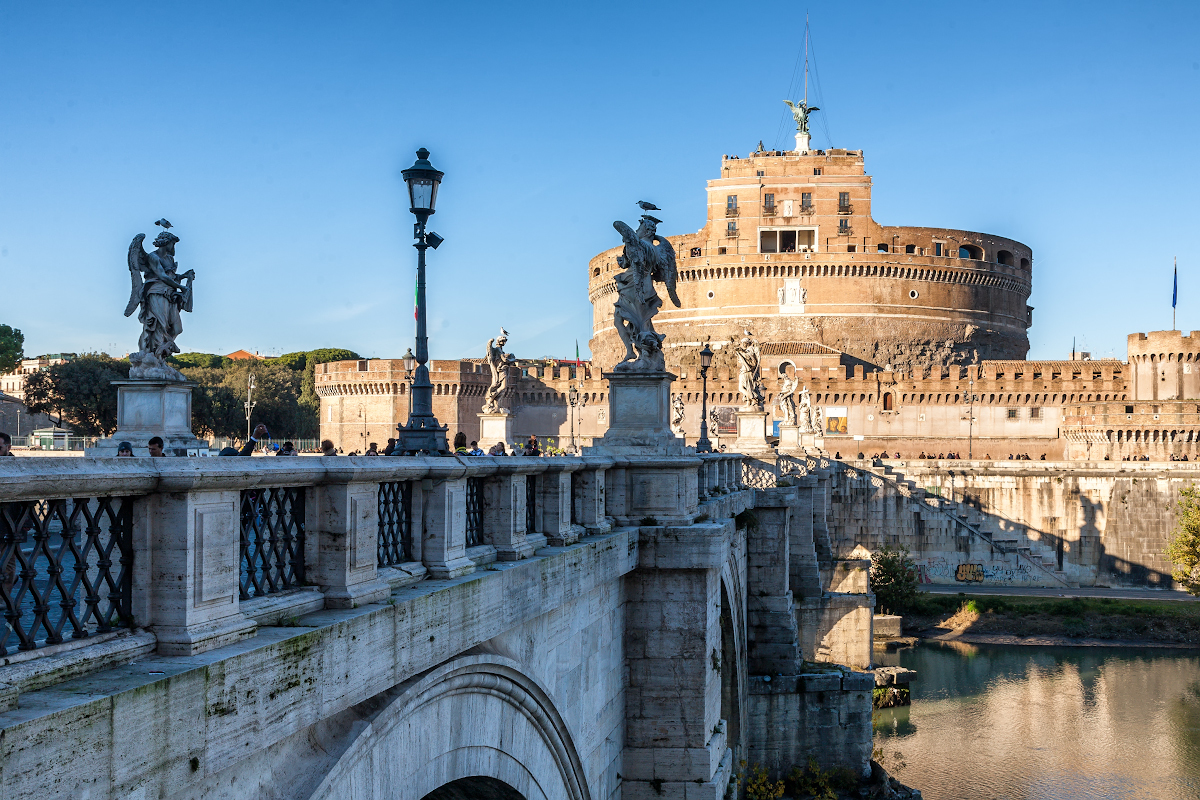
554	503
444	523
347	529
504	517
192	598
589	496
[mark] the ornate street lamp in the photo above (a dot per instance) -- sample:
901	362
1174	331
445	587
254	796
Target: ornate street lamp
703	445
575	399
410	363
422	433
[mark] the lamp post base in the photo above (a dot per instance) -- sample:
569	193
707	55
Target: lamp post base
421	434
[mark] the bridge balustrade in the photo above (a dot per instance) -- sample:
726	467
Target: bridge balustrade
200	552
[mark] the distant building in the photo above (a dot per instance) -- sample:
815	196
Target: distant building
13	383
244	355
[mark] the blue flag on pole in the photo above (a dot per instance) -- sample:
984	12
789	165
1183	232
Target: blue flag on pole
1175	288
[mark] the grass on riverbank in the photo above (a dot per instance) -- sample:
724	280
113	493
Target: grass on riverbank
1075	618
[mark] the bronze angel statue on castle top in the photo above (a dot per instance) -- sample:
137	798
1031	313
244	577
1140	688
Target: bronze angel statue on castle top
161	294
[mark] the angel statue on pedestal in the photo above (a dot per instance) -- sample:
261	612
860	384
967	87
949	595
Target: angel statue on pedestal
161	294
498	362
647	258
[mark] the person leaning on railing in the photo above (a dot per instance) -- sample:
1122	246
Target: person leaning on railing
5	444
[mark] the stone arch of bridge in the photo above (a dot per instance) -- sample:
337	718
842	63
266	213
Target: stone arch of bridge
477	716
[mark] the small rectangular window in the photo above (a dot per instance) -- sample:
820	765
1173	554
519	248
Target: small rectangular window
843	199
696	252
843	225
721	251
806	199
1128	409
816	170
910	248
362	365
768	242
769	200
760	173
852	248
937	248
1012	413
731	201
1037	376
731	229
1035	413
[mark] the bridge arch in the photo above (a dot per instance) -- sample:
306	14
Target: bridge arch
734	689
476	722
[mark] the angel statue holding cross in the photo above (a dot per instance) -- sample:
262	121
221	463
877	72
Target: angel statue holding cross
161	294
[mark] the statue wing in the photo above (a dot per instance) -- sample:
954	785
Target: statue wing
627	233
139	262
665	269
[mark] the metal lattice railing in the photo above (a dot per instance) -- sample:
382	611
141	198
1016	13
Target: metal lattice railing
395	523
474	511
272	540
75	554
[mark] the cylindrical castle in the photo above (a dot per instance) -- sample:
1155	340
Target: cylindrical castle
790	252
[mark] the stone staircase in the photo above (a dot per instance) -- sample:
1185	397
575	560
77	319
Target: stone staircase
968	518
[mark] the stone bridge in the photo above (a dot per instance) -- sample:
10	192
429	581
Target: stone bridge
611	626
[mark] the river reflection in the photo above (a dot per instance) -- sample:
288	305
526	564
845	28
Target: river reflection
1013	722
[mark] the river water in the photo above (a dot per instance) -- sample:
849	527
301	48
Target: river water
1026	723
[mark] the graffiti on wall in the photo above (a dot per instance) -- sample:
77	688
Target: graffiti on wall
939	570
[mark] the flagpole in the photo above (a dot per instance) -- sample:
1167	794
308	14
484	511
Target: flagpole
1174	292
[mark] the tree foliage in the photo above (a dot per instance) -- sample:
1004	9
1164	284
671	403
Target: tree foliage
79	392
12	348
209	360
893	580
1184	548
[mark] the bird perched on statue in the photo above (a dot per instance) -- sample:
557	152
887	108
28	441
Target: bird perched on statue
163	223
648	206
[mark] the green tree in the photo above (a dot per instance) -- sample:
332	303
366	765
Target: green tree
893	580
216	410
208	360
1184	549
79	392
12	348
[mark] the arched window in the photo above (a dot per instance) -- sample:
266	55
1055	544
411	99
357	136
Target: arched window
1024	263
970	251
887	401
1004	257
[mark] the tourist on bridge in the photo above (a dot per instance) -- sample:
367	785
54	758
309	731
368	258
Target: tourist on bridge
288	449
532	448
497	450
125	450
5	444
155	446
475	451
327	448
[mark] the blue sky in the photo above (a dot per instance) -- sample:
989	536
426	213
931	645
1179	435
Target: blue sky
272	136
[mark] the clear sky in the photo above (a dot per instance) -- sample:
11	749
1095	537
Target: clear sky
272	136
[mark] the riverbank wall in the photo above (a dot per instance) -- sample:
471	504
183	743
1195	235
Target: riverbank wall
1014	523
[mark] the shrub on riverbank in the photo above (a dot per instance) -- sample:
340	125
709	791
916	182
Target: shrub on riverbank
893	580
1076	617
1184	549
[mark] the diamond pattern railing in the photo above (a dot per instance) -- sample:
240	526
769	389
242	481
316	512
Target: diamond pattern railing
272	540
395	523
474	512
65	566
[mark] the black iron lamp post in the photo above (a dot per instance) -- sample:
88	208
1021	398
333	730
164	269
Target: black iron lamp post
422	433
575	399
410	363
703	445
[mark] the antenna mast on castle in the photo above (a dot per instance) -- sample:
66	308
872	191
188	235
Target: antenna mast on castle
806	59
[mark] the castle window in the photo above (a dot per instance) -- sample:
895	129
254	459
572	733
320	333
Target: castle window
362	365
1012	413
937	248
731	229
1024	263
768	241
769	200
721	251
882	248
850	248
731	203
1004	257
910	248
760	173
806	200
843	202
843	226
696	252
816	170
970	251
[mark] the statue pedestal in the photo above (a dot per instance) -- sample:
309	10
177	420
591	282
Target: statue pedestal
639	414
149	408
802	142
495	428
789	437
752	432
814	441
